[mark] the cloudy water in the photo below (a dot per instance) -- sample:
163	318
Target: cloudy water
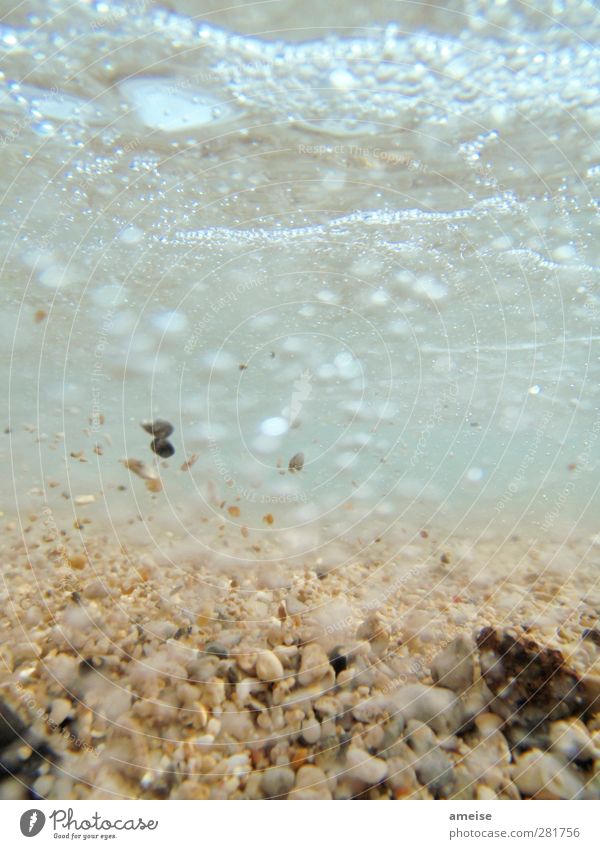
355	266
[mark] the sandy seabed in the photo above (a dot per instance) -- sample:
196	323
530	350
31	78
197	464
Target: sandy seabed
420	669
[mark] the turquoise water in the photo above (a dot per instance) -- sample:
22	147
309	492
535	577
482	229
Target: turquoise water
371	243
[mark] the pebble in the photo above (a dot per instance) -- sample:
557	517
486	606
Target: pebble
402	778
365	767
247	662
214	693
327	706
277	781
370	710
311	731
43	786
570	740
435	770
60	710
420	737
311	783
485	794
436	706
314	664
269	667
545	776
374	632
95	589
454	667
218	649
487	724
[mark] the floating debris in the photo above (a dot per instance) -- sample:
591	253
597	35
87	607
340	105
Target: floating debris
142	470
189	462
159	428
162	447
85	499
296	464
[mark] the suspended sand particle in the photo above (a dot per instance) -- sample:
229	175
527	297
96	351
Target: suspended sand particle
296	464
142	470
159	428
233	510
189	462
162	447
85	499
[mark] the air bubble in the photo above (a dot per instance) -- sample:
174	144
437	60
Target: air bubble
275	426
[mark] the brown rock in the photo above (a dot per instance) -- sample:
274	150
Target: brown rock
531	682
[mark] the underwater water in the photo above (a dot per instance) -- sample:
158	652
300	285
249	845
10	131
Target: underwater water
392	229
351	254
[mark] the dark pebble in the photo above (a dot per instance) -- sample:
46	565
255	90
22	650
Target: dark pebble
162	447
296	464
11	727
159	428
233	675
338	660
89	664
13	733
217	649
592	634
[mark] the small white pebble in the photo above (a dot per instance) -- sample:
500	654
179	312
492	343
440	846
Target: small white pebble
365	767
85	499
268	666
